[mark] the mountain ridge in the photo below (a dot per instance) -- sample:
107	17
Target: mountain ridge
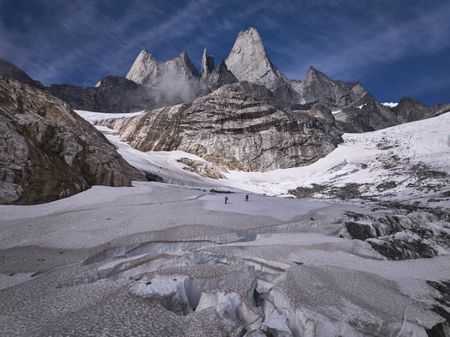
151	84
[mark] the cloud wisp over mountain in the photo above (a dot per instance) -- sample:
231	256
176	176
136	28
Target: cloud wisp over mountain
395	49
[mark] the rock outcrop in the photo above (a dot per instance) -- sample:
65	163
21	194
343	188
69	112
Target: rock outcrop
400	235
48	152
240	126
248	61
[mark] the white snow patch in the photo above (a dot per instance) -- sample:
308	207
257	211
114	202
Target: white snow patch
390	104
93	117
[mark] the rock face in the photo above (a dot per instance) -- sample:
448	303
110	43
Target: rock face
248	61
318	87
143	69
218	77
48	152
365	114
113	94
439	109
240	126
410	110
214	78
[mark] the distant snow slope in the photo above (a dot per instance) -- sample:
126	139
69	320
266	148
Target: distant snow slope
404	161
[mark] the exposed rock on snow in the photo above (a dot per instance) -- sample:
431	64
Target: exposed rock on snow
402	235
239	126
49	152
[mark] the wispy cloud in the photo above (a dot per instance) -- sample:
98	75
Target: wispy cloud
360	45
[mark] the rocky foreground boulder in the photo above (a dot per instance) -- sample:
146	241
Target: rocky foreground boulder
48	152
240	126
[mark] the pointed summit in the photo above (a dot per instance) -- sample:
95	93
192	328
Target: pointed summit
315	75
248	59
318	87
207	64
143	68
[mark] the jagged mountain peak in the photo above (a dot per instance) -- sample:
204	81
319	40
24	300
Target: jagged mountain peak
248	59
144	66
315	74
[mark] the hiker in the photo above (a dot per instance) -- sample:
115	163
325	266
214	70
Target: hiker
226	200
246	197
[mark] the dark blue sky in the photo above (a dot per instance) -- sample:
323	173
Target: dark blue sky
395	48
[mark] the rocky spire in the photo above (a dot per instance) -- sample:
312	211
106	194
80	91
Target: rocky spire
207	64
248	61
143	69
